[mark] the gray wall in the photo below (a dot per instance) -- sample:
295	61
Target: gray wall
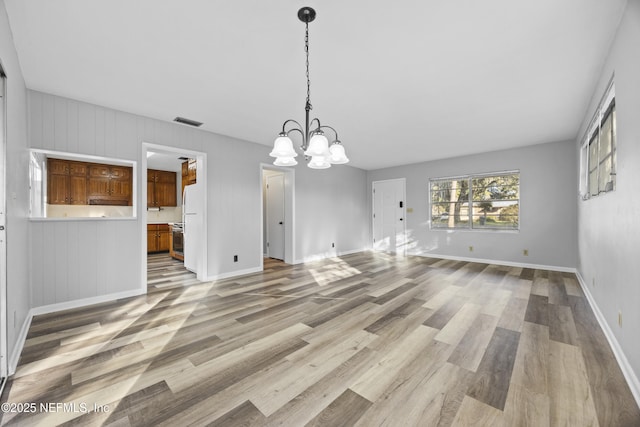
72	260
609	225
344	221
17	184
548	185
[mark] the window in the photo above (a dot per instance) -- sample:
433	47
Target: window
70	186
598	156
487	201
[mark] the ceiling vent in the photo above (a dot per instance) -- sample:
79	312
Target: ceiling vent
187	122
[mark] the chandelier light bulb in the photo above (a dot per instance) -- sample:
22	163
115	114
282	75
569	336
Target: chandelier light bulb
285	161
318	146
319	162
337	154
283	147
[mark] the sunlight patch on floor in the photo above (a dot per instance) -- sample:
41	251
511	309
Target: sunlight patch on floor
335	271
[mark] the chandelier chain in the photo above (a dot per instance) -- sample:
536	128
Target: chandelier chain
306	51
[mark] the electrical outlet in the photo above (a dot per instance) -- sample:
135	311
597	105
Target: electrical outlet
235	258
620	318
525	252
470	248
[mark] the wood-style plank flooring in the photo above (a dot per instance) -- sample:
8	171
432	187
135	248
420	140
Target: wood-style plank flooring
362	340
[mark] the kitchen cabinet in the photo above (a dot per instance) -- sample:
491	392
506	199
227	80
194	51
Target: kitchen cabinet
161	188
158	238
192	171
66	182
189	173
80	183
110	185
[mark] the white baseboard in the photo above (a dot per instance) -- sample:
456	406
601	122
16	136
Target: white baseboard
623	362
17	350
51	308
498	262
234	274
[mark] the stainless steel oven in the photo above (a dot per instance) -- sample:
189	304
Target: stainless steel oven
178	239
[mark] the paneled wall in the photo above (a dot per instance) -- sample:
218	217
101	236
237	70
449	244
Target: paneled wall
330	205
17	187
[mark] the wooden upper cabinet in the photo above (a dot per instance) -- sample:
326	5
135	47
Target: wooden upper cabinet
166	188
78	169
58	167
78	189
80	183
58	189
192	171
66	182
189	174
120	172
99	187
185	169
110	185
151	185
99	171
161	188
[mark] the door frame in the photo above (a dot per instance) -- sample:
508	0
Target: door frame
403	250
268	203
201	165
289	212
4	318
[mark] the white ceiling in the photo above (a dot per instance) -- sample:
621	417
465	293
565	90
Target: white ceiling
402	82
164	161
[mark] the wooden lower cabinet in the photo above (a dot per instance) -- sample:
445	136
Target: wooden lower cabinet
158	238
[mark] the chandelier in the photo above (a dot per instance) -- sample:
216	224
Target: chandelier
315	144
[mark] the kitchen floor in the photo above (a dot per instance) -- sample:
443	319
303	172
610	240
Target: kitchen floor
166	272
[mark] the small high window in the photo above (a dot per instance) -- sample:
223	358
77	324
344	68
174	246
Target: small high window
598	153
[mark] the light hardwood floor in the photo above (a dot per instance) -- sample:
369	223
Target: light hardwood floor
363	340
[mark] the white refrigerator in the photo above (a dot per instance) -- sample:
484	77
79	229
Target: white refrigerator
192	218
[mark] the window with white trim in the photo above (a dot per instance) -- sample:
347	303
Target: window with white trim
598	152
483	201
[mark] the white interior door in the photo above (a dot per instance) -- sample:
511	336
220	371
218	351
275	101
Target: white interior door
275	216
389	216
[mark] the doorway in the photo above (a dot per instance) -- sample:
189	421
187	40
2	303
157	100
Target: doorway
274	218
277	194
389	231
170	159
3	236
